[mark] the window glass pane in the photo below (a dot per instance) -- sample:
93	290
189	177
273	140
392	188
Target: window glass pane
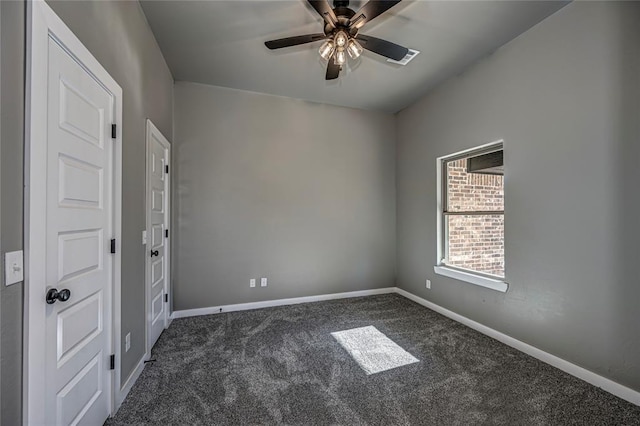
472	191
476	243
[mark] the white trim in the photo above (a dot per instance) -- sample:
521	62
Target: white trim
128	384
43	23
117	259
439	215
492	283
278	302
151	129
608	385
480	148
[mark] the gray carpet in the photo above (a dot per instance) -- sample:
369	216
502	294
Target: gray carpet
282	366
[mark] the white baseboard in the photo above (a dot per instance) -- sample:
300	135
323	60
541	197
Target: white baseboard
169	320
128	384
278	302
608	385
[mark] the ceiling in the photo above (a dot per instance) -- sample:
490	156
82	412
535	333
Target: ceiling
222	43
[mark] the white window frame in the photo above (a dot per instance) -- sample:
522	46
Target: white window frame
441	268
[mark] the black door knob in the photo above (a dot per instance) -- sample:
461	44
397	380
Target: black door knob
154	253
53	295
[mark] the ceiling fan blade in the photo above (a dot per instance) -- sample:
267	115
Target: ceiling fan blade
325	10
293	41
382	47
370	10
333	70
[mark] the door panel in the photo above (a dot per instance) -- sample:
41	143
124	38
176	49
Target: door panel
79	252
78	325
157	200
80	116
79	396
157	309
80	184
157	273
157	235
79	223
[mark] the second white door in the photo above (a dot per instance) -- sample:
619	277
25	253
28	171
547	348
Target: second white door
158	151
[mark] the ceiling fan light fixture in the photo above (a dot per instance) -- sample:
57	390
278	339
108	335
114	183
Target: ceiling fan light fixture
340	58
341	26
341	39
326	50
354	49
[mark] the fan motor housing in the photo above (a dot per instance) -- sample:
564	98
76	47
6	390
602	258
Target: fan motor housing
344	15
343	12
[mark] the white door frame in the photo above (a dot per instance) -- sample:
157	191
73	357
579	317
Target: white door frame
152	129
42	24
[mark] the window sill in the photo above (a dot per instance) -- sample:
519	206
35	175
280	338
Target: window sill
492	283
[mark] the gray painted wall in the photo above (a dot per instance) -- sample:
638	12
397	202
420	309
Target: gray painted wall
118	35
564	97
11	158
265	186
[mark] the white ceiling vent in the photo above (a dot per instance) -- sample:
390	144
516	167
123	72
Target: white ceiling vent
408	57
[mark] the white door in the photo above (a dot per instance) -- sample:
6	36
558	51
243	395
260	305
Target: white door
158	151
73	191
79	231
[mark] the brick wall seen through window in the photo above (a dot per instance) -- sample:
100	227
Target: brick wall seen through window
475	242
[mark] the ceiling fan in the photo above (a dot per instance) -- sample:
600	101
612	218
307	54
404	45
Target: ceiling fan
341	34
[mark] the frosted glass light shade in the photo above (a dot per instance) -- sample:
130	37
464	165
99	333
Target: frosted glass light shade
340	56
354	49
326	50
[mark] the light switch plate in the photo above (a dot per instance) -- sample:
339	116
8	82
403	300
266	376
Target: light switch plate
263	282
144	237
13	267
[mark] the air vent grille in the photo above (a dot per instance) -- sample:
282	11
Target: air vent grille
407	58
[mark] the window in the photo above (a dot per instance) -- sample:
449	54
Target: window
471	217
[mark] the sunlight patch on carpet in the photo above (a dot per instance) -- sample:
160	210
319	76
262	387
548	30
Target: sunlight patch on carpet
372	350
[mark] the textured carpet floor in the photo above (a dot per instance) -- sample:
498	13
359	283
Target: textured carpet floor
282	366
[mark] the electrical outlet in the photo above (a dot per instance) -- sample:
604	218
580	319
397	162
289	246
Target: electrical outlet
252	282
127	342
428	284
263	282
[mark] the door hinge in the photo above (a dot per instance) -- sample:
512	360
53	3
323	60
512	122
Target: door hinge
113	131
166	233
166	168
112	362
166	297
113	246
